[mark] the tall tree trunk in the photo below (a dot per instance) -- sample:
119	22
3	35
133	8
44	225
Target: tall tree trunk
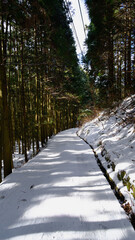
24	141
129	87
9	94
37	90
7	155
1	144
125	55
110	68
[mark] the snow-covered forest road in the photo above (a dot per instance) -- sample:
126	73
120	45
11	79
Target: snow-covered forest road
61	194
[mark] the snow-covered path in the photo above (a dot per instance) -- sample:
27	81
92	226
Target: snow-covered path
61	194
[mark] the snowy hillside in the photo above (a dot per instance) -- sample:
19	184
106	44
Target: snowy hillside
112	136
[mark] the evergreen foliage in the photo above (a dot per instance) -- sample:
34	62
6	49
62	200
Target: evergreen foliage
111	49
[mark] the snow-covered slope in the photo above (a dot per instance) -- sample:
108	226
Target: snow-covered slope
112	135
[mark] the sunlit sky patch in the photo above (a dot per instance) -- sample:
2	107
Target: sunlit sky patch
76	16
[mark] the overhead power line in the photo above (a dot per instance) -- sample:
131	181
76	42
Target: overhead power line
74	29
82	17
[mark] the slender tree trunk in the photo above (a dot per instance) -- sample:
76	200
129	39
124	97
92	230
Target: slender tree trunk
37	92
7	155
125	68
119	80
1	144
125	56
24	141
110	68
129	87
9	96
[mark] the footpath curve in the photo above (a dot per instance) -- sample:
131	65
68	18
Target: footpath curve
61	194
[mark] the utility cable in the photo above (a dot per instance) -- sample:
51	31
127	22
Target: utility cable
74	29
82	17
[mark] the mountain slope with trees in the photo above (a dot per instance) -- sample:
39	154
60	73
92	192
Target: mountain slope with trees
111	49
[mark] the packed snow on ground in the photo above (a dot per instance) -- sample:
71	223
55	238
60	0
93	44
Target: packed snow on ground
19	159
112	135
61	194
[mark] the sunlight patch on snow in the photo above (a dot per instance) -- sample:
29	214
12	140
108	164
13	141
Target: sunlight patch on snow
8	186
61	206
73	235
61	173
61	138
96	188
123	166
54	162
93	173
78	152
71	182
54	155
